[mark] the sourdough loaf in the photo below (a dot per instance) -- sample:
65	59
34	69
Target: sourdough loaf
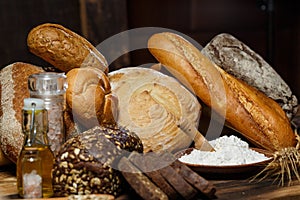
246	109
13	90
237	59
63	48
151	104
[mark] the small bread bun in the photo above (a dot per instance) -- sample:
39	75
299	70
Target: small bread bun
63	48
13	90
89	97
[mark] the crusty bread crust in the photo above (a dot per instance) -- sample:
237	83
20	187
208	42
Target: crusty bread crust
13	90
237	59
248	111
89	97
63	48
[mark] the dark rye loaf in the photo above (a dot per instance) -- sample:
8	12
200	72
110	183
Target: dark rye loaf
237	59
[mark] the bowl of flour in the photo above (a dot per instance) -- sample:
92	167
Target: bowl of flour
231	155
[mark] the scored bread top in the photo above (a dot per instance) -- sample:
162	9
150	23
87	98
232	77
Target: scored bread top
151	104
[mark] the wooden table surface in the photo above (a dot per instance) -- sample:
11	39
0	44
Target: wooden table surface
226	189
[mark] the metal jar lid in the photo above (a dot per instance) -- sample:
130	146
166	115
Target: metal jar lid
47	83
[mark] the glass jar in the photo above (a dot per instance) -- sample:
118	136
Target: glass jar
36	158
51	87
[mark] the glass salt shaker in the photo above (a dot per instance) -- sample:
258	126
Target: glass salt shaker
51	87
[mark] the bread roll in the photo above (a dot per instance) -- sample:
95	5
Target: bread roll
239	60
63	48
89	97
151	104
247	110
13	90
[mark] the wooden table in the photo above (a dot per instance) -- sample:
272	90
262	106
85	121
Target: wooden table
226	189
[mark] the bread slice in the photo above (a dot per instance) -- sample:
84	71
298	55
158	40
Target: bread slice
148	164
142	185
237	59
201	184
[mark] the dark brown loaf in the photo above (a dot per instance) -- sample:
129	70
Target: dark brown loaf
247	110
63	48
239	60
13	90
85	163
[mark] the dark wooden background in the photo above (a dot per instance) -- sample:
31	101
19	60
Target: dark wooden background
273	32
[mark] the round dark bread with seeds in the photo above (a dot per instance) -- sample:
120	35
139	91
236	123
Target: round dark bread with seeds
237	59
85	163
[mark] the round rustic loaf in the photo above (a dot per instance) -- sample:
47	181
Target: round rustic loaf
86	163
13	90
152	104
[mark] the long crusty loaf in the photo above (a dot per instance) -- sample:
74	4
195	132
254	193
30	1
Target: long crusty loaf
13	90
63	48
247	110
237	59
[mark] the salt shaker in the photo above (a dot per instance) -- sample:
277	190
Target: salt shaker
51	87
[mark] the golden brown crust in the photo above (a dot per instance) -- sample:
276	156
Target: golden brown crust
89	97
14	88
250	112
63	48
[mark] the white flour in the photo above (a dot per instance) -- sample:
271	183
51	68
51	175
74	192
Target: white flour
230	150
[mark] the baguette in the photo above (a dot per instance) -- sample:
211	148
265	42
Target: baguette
247	110
63	48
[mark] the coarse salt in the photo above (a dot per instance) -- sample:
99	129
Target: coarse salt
229	150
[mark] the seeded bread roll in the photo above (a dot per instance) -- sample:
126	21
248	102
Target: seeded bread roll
256	116
63	48
13	90
85	163
239	60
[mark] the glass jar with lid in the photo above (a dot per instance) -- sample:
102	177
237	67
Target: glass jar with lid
51	87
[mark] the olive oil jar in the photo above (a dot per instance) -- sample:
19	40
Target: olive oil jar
35	162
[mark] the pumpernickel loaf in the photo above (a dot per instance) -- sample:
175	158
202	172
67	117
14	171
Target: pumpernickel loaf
13	90
247	110
237	59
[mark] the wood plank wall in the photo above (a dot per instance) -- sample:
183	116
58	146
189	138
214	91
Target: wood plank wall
200	19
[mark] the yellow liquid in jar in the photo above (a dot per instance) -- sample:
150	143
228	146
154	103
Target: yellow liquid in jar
47	160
